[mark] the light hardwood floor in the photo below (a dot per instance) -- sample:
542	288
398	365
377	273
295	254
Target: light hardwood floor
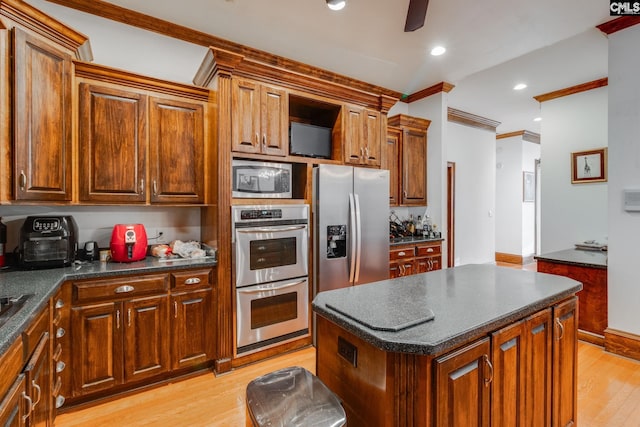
608	395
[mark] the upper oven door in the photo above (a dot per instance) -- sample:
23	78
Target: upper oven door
271	253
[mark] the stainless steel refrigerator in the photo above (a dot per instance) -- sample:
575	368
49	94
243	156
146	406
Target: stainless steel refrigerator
351	226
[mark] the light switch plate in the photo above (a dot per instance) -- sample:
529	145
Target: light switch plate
632	200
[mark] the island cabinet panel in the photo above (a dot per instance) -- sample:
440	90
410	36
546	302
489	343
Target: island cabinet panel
259	119
14	405
462	386
537	398
41	119
112	144
176	151
38	382
565	368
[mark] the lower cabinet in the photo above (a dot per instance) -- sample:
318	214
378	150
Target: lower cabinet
15	405
413	258
524	374
133	330
38	384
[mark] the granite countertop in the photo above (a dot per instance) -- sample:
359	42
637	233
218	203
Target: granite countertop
466	302
43	284
412	239
579	257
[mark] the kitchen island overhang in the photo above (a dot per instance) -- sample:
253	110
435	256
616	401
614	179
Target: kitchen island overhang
496	334
467	302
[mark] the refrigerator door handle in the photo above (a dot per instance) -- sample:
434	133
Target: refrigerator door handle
352	241
358	239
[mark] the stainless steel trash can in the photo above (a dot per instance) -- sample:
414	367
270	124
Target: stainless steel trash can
293	397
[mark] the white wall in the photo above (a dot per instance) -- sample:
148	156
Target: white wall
624	173
572	213
509	195
474	152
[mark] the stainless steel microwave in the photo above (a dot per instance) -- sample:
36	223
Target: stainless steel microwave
254	179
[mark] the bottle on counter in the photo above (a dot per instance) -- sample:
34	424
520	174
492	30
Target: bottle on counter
411	225
3	241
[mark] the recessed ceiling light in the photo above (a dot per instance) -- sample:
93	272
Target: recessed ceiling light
519	86
438	50
336	4
537	119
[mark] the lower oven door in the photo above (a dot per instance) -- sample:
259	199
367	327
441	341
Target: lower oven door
271	313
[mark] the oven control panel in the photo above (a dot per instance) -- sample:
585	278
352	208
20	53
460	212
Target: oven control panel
260	214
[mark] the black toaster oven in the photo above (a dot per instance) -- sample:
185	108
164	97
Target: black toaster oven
47	242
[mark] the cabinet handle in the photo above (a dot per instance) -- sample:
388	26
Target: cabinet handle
124	289
155	187
401	253
257	139
175	309
561	328
60	366
264	141
30	406
361	153
117	319
429	249
59	303
192	281
35	385
129	317
142	186
60	401
405	194
23	180
488	381
60	332
366	152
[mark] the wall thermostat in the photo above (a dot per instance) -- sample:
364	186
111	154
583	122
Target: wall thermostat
632	200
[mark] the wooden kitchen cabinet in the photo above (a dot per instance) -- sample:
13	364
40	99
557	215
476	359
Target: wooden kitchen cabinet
14	405
391	162
192	342
363	136
41	119
410	165
462	386
140	141
565	368
412	258
38	384
259	119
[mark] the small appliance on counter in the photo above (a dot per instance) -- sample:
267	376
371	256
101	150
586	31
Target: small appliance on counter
48	242
128	243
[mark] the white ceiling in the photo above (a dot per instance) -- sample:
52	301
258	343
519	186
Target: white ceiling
491	44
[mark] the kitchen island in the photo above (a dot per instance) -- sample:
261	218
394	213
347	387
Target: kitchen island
452	347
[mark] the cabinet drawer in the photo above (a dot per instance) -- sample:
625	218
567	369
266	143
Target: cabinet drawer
428	250
401	253
195	279
31	337
109	289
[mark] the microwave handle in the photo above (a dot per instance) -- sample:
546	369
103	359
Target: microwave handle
275	288
270	229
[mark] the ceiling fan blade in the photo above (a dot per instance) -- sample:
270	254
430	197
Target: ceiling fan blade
416	14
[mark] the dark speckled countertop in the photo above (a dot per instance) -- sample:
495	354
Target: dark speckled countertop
466	301
43	284
579	257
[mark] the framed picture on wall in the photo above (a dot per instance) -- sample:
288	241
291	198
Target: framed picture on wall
589	166
528	187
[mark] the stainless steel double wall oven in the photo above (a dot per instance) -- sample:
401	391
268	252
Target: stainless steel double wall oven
271	250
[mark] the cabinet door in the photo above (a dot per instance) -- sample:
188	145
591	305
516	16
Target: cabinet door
14	405
461	390
112	144
191	326
96	347
414	168
509	358
274	111
391	162
146	341
372	138
565	352
176	151
401	268
353	135
38	383
245	116
538	392
42	120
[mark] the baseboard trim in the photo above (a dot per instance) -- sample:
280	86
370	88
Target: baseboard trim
590	337
510	258
622	343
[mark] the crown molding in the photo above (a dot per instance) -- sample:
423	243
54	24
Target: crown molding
402	120
526	135
618	24
431	90
572	90
472	120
